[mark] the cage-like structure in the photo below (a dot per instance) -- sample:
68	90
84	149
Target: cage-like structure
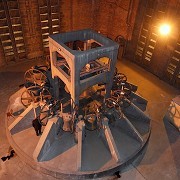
82	59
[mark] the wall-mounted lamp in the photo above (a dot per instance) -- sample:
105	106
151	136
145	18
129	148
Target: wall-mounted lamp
165	29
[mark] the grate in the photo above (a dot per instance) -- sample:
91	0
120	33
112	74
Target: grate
11	32
173	67
49	17
148	35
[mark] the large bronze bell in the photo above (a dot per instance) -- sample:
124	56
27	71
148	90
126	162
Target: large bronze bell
67	122
91	122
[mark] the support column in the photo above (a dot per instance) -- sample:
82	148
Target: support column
56	88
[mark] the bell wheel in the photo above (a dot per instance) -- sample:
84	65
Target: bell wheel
26	98
35	76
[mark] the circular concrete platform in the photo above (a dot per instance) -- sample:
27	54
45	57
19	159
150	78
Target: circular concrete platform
102	153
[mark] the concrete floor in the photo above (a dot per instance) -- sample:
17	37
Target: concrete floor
162	157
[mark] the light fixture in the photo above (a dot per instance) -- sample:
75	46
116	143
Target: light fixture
165	29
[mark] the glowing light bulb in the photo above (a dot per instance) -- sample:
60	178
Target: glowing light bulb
165	29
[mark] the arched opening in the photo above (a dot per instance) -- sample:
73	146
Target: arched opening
95	67
62	65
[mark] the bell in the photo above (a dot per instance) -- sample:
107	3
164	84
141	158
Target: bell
67	122
91	122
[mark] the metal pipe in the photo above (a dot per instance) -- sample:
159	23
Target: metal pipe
128	18
128	22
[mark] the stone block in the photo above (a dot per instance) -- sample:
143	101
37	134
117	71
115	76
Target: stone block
173	112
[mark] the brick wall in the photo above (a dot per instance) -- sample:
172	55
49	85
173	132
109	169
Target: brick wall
107	16
112	17
2	58
81	14
31	28
66	15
